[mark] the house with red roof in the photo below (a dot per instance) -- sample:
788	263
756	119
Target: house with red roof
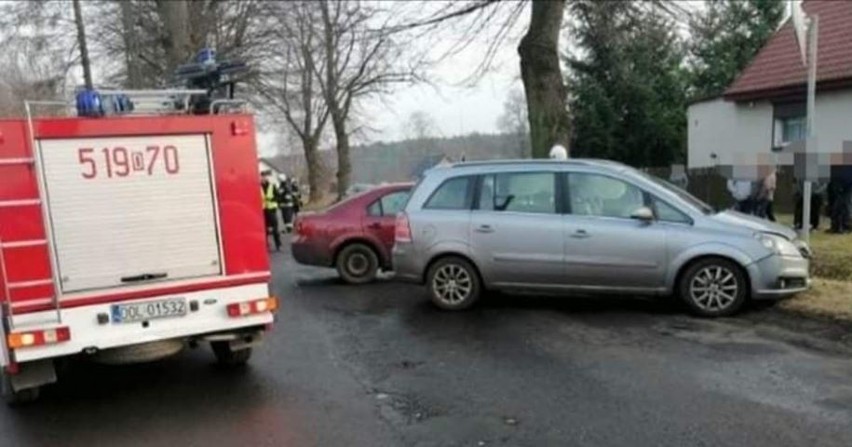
763	110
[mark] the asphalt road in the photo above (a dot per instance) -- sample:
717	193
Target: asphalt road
379	366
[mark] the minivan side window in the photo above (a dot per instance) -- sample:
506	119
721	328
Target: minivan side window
521	192
667	213
453	194
599	195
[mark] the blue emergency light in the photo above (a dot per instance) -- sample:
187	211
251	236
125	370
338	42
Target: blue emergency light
89	103
207	56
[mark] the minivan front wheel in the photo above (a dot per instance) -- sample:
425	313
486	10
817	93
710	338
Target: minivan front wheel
713	287
453	284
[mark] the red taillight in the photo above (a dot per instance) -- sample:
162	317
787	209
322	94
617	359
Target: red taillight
402	232
39	337
253	307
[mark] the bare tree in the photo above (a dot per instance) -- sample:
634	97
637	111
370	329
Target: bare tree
148	39
288	83
420	126
538	49
357	63
514	120
39	50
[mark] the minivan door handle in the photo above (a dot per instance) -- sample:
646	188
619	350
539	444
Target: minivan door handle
484	229
580	234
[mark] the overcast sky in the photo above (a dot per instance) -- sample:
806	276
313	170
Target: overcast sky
455	108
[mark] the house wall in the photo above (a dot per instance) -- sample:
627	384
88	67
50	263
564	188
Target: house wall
833	120
735	132
728	130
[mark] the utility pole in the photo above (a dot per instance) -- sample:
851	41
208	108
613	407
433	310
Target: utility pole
811	111
807	35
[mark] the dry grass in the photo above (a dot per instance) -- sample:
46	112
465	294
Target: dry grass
827	298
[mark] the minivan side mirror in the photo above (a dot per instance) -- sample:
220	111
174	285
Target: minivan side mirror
643	213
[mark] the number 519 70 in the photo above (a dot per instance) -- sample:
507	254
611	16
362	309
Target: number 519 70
120	162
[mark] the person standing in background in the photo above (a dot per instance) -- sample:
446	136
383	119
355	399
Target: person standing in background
766	196
741	191
841	178
818	191
558	152
297	196
286	201
269	194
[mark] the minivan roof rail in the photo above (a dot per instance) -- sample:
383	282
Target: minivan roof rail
545	161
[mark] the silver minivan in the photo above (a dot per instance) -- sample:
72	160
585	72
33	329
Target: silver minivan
587	226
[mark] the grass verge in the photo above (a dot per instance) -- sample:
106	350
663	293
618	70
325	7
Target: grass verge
827	299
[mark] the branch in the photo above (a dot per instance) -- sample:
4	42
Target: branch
480	4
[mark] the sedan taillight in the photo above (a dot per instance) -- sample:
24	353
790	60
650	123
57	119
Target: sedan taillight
402	232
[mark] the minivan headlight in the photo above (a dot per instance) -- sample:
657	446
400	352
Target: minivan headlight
778	244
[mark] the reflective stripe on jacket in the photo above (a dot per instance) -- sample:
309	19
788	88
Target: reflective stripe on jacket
269	199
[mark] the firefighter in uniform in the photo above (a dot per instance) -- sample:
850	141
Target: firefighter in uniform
297	196
269	193
287	203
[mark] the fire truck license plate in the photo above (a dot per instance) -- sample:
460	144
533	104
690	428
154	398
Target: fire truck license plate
129	313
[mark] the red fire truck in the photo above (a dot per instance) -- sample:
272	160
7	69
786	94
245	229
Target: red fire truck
128	237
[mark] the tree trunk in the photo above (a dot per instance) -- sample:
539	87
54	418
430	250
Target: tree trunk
131	50
176	39
313	161
84	49
546	94
344	164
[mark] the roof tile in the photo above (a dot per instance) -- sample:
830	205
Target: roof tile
779	64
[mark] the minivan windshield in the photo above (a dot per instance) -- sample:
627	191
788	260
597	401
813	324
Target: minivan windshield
691	200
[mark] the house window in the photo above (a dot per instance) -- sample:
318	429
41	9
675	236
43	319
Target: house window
794	129
790	124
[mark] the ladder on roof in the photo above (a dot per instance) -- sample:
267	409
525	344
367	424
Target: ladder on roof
151	102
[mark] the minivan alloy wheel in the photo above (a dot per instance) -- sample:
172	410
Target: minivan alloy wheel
714	288
452	284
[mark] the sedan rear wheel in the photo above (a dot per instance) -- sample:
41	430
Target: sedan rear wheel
714	287
358	264
453	284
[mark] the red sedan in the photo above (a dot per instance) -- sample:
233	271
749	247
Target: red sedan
354	236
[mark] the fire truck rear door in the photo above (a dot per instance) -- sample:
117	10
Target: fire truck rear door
131	210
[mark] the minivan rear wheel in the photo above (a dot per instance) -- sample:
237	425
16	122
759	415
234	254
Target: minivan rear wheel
453	284
713	287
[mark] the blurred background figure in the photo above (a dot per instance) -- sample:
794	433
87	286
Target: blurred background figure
840	188
297	195
558	152
818	191
679	177
741	192
286	202
765	194
270	193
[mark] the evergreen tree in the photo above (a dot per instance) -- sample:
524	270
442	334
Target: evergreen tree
627	85
725	38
